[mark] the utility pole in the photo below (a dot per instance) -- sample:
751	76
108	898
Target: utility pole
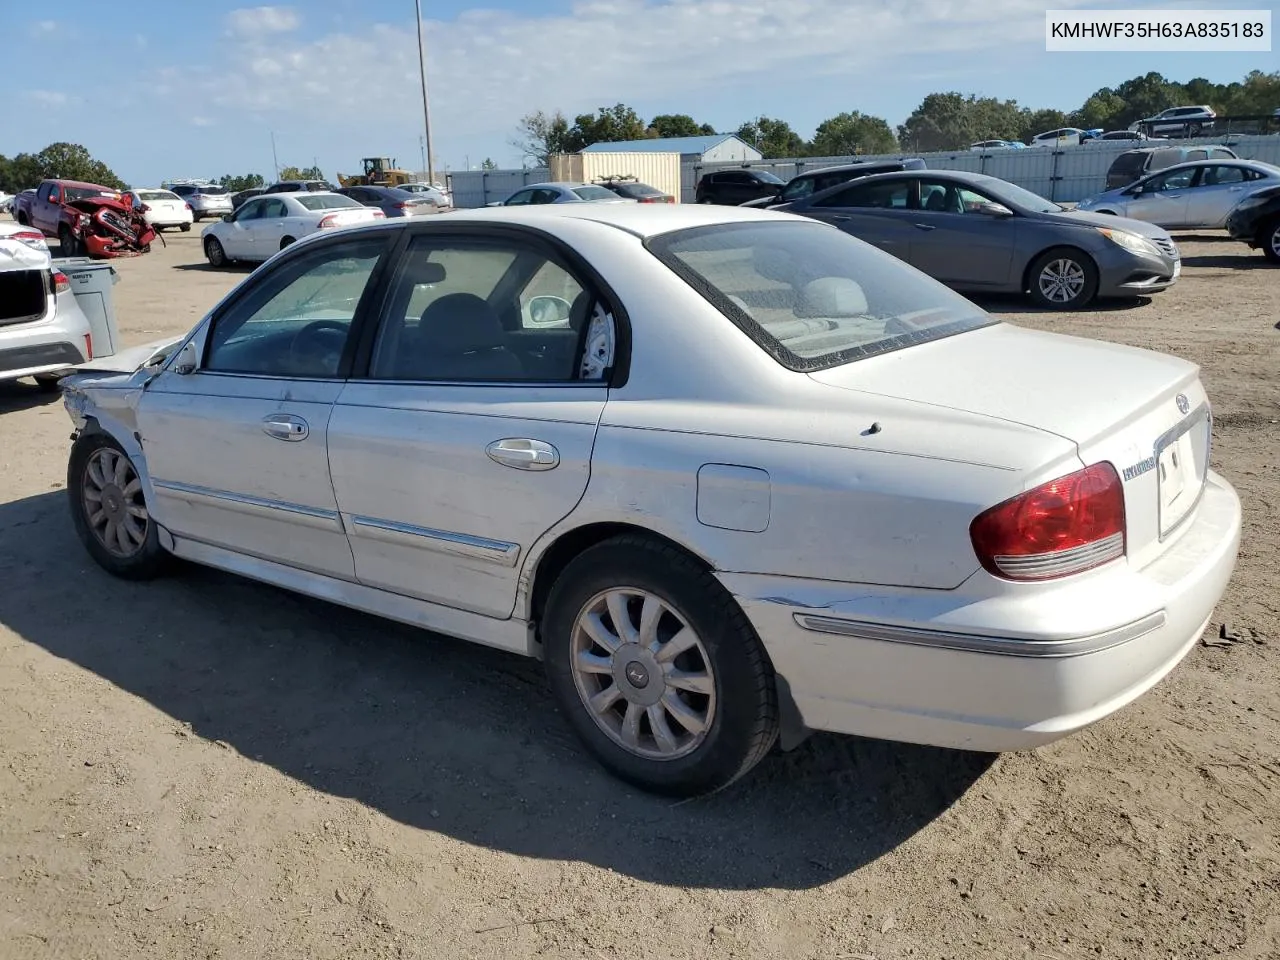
426	109
274	159
422	146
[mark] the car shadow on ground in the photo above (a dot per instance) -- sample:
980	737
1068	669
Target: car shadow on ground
209	268
18	395
1244	259
448	736
1012	303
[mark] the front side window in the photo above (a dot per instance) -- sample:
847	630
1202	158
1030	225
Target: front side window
296	320
1174	180
480	311
812	296
520	198
251	210
799	187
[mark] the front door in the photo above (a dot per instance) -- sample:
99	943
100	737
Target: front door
471	433
236	447
1163	199
268	228
237	236
955	241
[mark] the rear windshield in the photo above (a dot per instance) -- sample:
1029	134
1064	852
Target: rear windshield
764	176
212	191
637	190
156	195
812	296
594	193
326	201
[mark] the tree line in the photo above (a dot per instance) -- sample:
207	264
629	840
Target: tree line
943	121
60	161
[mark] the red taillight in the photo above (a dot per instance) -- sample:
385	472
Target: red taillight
61	282
32	238
88	346
331	220
379	215
405	204
1065	526
187	205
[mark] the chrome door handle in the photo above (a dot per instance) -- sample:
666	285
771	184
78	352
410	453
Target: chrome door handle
1171	196
925	226
523	454
285	426
842	218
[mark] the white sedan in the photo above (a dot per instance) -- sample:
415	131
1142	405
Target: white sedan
267	224
163	208
765	479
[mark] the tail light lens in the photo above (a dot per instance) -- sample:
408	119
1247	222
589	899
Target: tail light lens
379	215
32	238
88	346
1065	526
187	205
405	205
330	220
61	282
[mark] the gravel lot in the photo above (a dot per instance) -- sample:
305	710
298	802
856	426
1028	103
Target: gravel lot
204	767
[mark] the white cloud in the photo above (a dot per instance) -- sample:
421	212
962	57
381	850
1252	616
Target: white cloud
42	27
48	98
248	22
487	68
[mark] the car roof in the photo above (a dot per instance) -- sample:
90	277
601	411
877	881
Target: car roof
864	165
640	219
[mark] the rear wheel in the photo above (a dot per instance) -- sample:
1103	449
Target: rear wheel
285	242
1269	240
1063	278
109	511
657	668
214	253
185	227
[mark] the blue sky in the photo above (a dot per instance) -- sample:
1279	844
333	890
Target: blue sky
337	80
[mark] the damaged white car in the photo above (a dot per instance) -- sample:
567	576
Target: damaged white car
733	475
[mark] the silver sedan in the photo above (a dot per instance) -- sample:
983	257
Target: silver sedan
1198	194
561	192
732	474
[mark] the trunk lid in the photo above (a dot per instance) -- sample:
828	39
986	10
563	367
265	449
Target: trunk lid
1146	413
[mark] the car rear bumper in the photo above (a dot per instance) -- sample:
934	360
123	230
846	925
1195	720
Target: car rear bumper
45	346
1008	670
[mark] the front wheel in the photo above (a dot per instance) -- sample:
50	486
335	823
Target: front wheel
109	511
185	227
1063	279
657	668
67	241
1269	240
214	253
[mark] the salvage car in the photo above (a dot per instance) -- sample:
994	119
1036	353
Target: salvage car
87	218
270	222
43	331
980	234
768	479
163	208
1199	194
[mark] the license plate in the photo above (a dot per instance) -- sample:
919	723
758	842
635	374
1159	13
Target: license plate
1182	463
1177	269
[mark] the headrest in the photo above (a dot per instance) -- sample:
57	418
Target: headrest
832	297
459	323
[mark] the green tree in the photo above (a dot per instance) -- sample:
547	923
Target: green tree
301	173
606	125
678	125
1042	121
488	164
852	133
773	138
952	121
1146	96
1103	109
19	173
245	181
539	135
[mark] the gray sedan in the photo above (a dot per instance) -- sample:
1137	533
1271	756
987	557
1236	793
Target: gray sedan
978	233
1201	193
560	192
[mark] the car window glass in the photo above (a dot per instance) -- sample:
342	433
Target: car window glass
885	195
1215	175
1220	154
799	187
972	201
251	210
940	196
1197	154
520	198
295	321
1175	180
274	209
465	310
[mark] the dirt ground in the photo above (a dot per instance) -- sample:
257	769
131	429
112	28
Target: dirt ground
204	767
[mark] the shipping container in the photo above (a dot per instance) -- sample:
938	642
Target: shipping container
659	170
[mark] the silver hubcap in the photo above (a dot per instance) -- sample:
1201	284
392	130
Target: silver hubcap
1275	241
643	674
1061	281
113	503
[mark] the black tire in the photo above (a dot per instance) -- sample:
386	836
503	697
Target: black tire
48	383
150	559
214	253
286	241
744	724
67	241
1080	261
1269	240
184	227
1193	130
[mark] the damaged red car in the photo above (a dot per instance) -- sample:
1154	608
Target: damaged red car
87	218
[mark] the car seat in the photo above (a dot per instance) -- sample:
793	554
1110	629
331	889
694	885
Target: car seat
459	337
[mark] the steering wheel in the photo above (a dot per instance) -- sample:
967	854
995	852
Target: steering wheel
310	353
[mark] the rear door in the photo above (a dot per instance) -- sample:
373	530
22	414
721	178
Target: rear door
1213	195
469	432
877	212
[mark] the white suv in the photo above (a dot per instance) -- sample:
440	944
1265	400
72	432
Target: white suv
1189	120
43	331
206	199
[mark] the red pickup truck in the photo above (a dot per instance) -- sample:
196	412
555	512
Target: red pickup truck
85	217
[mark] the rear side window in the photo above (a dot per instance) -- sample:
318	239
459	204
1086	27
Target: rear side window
1129	163
812	296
